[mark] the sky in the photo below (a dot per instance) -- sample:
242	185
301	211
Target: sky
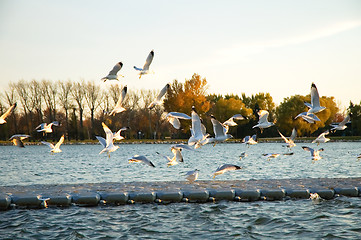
278	46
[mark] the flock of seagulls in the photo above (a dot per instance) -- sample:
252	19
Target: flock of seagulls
199	136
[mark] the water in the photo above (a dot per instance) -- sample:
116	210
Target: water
290	219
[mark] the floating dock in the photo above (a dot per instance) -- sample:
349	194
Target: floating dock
93	194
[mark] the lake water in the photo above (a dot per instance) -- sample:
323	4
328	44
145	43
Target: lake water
338	218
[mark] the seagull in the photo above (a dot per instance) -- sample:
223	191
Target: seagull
314	107
108	142
117	136
321	138
341	125
145	69
271	155
141	159
309	117
173	118
314	196
159	97
175	159
192	176
220	131
290	141
47	128
315	155
199	136
243	155
112	75
231	123
250	140
263	122
17	139
119	106
181	146
56	148
7	113
225	168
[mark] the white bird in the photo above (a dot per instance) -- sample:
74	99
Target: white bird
192	176
145	69
263	121
225	168
315	106
47	128
198	131
7	113
289	141
157	101
173	118
271	155
117	136
309	117
56	148
113	74
341	125
243	155
322	138
231	123
250	140
314	196
140	159
181	146
18	138
177	157
108	142
220	131
119	106
315	155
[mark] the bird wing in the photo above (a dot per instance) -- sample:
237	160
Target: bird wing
315	98
263	115
163	92
116	68
102	141
8	112
109	134
118	107
137	68
309	149
230	122
48	144
60	142
182	146
293	134
238	117
196	124
218	128
179	115
177	154
143	159
346	120
284	138
148	61
245	139
174	121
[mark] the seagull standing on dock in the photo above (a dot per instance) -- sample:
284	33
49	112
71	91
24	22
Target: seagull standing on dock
157	101
108	142
7	113
315	154
119	106
141	159
225	168
145	69
192	176
56	148
113	74
263	120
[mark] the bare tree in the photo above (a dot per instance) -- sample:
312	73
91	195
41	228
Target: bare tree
50	93
22	89
10	97
36	99
65	101
78	95
92	98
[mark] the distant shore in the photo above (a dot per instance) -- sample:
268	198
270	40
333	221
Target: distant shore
174	141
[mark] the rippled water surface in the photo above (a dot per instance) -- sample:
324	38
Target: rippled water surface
338	218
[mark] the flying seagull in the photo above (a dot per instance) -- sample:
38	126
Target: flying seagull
192	176
322	138
250	140
173	118
145	69
159	97
220	131
309	117
117	136
341	125
199	137
112	75
140	159
225	168
119	106
315	106
231	123
315	154
271	155
18	138
56	148
108	142
263	121
7	113
47	128
289	141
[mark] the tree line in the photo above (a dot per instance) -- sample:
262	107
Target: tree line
81	106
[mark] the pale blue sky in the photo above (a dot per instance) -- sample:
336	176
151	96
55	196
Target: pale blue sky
279	47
